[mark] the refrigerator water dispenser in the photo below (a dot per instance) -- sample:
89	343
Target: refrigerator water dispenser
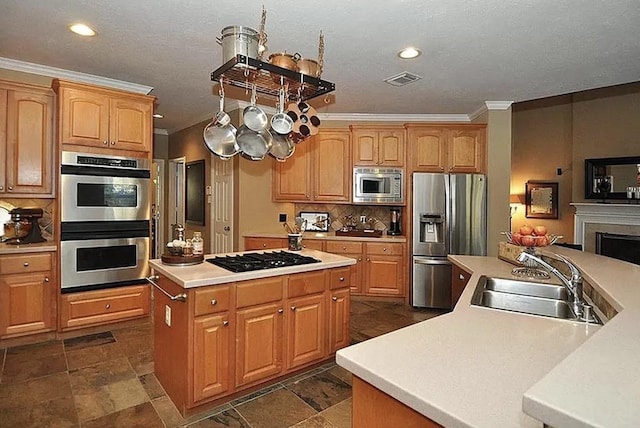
431	228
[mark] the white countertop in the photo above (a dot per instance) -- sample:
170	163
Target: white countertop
331	236
206	273
479	367
28	248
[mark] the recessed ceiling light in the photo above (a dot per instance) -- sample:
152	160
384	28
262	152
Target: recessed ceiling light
409	53
82	30
158	116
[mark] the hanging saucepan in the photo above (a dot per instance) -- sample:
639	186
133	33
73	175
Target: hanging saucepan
281	122
254	145
309	67
283	60
253	116
220	134
282	148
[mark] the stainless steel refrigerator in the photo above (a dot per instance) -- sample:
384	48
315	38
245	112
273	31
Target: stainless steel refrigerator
449	217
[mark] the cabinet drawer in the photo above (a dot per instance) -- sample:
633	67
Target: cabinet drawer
264	243
104	306
25	263
306	283
313	244
385	249
255	292
344	247
340	278
212	300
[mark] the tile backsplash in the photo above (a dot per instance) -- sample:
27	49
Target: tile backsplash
338	212
47	205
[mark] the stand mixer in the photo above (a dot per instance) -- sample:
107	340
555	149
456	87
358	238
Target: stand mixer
29	215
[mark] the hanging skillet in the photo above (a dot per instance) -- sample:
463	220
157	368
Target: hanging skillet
281	122
254	145
220	134
253	116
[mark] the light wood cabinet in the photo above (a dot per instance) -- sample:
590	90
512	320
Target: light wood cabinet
26	141
98	307
211	343
251	244
459	280
378	146
108	119
447	148
306	330
319	170
28	293
339	307
313	244
352	250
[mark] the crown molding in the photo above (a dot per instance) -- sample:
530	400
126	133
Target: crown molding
498	105
366	117
160	131
76	76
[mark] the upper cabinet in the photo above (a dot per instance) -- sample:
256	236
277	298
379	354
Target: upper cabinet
26	140
319	170
378	146
98	117
450	148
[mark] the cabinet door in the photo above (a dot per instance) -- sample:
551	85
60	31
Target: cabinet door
29	137
466	150
259	333
130	124
384	276
263	243
313	244
427	149
27	303
332	166
391	148
305	330
211	356
3	137
84	117
339	307
365	147
355	282
459	280
292	179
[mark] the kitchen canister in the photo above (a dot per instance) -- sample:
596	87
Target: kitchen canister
237	39
295	241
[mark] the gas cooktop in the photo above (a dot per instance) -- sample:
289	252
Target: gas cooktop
257	261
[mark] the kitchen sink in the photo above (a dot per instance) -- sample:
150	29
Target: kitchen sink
527	297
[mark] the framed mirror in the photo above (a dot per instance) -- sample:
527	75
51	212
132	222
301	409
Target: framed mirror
194	192
541	199
615	174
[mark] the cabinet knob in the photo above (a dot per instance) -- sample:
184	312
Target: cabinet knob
293	308
26	264
384	249
264	245
334	298
1	187
46	279
214	302
225	323
344	248
107	306
10	188
462	277
359	259
368	259
105	142
342	279
280	310
113	143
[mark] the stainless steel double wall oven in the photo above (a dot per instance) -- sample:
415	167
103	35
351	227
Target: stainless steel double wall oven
105	214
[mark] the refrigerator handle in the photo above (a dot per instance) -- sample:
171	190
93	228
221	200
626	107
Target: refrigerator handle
431	262
452	215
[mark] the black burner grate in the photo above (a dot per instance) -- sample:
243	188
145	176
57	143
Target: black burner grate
257	261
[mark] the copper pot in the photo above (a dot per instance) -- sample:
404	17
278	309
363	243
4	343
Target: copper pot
309	67
283	60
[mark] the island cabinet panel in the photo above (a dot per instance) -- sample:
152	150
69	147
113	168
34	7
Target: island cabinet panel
306	330
28	293
251	244
303	284
26	141
259	335
459	280
378	146
339	307
212	299
211	371
373	408
257	291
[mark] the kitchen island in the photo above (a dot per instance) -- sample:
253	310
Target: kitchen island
219	334
480	367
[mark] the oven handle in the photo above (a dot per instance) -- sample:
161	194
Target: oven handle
182	297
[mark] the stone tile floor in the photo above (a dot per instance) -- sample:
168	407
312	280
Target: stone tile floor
107	380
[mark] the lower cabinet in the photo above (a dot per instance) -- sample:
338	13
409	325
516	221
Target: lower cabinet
28	294
251	244
459	280
89	308
226	338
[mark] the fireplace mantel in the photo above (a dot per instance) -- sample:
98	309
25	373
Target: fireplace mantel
619	214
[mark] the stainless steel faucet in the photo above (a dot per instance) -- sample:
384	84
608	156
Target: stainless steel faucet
572	284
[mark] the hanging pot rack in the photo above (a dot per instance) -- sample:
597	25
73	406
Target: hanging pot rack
243	72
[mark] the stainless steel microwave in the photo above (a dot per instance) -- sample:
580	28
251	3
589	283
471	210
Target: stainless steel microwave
378	186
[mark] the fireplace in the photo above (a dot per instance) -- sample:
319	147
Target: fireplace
621	247
613	219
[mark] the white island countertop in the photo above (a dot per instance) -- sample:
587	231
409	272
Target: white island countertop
205	273
480	367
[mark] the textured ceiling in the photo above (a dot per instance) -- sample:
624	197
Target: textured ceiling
473	51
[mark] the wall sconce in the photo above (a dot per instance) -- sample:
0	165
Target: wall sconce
514	202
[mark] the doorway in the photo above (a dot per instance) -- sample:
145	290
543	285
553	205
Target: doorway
221	194
175	204
157	208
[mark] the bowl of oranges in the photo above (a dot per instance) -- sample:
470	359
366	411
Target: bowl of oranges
531	236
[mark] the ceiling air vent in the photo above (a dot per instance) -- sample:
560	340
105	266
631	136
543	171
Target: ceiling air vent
402	79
